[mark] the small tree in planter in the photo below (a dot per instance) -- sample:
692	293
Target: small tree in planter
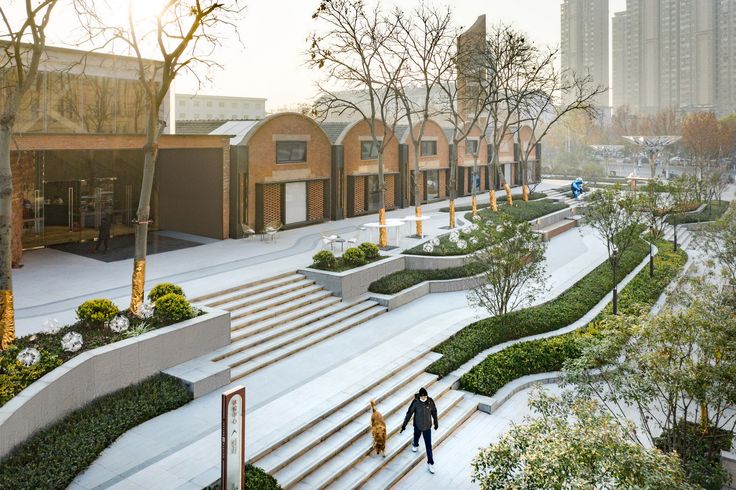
614	214
512	260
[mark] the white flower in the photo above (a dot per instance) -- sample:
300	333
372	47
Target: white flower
119	323
466	229
476	217
454	236
473	227
51	326
462	244
146	311
474	240
71	342
428	247
489	223
28	356
499	228
435	242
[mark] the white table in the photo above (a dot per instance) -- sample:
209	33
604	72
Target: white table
414	219
390	223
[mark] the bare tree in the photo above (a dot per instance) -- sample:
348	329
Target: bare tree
425	37
514	62
547	101
22	47
183	34
358	55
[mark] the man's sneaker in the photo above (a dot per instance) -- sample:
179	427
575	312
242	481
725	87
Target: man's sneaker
430	467
414	448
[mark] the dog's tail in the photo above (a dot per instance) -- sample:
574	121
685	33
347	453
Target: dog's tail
373	405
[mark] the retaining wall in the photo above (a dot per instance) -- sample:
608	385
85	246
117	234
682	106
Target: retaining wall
106	369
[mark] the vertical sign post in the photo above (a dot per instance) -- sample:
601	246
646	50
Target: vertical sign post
233	439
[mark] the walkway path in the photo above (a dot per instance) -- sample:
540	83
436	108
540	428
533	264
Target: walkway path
181	447
54	283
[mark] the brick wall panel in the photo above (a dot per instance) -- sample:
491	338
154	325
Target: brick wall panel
271	203
359	197
315	200
443	184
390	191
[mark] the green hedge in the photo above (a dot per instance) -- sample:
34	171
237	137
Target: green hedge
709	213
255	478
533	196
545	355
556	313
54	456
398	281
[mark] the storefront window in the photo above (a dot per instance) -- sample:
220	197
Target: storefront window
433	184
374	193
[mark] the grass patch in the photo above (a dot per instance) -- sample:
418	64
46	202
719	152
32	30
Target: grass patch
55	455
556	313
710	212
398	281
545	355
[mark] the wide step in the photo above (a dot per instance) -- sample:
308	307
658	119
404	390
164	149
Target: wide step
270	352
255	298
338	471
253	287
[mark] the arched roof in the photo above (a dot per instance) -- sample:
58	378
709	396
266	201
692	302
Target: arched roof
340	139
445	131
242	131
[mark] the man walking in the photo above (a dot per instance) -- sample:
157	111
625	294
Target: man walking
104	234
425	412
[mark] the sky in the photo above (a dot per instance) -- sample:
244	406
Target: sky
269	61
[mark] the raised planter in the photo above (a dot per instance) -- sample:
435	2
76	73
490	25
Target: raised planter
393	301
354	282
435	262
101	371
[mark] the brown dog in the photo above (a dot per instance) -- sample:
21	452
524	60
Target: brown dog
378	430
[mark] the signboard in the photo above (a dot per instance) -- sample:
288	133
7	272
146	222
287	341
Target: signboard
233	439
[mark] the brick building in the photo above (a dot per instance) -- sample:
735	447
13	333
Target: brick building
434	162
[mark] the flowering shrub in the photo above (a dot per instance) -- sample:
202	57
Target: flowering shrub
97	311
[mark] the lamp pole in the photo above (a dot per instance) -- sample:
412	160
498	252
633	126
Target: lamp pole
651	253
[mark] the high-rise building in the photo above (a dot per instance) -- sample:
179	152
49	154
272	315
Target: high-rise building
584	41
674	54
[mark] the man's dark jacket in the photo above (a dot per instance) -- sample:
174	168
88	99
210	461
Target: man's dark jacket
424	413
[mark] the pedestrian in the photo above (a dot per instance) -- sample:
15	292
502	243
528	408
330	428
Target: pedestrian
425	412
103	234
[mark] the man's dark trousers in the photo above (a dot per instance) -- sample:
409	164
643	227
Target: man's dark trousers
427	434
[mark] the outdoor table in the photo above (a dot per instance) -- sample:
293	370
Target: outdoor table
411	219
341	241
390	223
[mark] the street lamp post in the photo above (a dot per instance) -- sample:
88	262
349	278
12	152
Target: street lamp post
651	253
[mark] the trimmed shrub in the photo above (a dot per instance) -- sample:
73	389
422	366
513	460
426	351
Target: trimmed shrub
161	290
354	257
398	281
173	308
710	212
545	355
370	250
53	456
255	478
97	311
556	313
324	260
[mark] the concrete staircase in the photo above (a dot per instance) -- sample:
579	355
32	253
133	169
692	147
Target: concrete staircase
684	236
560	196
276	317
332	450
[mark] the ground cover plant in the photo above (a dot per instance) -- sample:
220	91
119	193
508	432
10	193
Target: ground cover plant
398	281
556	313
445	245
255	478
711	212
100	323
353	257
546	355
53	456
533	196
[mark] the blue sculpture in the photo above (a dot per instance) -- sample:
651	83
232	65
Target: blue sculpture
577	188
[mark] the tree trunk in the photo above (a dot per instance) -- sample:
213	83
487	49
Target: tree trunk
417	197
524	182
615	290
474	200
453	183
153	133
7	313
674	230
382	234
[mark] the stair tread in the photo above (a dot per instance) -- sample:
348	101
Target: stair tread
246	307
287	327
358	451
390	473
250	287
342	399
307	341
280	308
392	398
355	437
303	315
241	301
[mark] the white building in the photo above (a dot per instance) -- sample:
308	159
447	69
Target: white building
191	107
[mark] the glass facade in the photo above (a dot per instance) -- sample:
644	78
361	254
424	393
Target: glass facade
62	102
